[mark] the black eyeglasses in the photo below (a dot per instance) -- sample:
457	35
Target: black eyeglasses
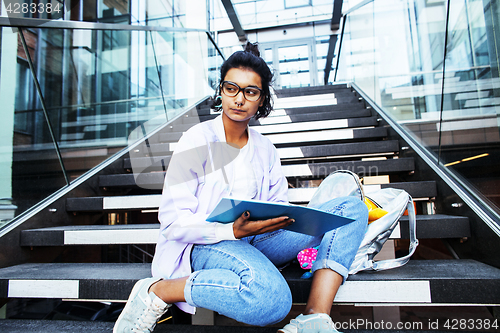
231	89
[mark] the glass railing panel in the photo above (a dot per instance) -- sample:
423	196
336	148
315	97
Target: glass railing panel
36	168
29	166
447	99
395	50
361	48
469	130
97	86
399	63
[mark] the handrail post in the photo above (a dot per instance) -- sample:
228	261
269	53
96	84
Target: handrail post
344	18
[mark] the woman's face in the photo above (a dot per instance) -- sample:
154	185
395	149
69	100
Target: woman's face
238	108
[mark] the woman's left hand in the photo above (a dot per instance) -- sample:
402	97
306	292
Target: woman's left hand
243	227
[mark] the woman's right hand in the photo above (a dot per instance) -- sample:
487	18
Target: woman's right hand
243	227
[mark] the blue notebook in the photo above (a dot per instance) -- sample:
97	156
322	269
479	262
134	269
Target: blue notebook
308	220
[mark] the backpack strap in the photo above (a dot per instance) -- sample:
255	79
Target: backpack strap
392	263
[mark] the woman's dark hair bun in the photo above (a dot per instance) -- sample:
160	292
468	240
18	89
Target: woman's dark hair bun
252	48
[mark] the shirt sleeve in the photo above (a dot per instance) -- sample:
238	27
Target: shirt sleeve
179	214
224	231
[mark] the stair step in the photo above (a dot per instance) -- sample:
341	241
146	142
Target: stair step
65	326
153	180
343	150
340	150
170	137
314	170
327	99
326	109
281	116
199	118
435	226
308	125
154	162
178	128
314	90
417	190
336	121
418	282
317	131
153	148
91	235
428	226
362	168
55	326
319	125
326	136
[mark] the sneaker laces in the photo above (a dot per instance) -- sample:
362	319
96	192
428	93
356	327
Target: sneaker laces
147	321
294	322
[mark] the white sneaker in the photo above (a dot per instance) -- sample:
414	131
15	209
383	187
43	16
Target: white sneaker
142	311
313	323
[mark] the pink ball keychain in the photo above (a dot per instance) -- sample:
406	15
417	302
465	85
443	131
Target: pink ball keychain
306	259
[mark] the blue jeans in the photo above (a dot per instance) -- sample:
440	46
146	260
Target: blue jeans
239	279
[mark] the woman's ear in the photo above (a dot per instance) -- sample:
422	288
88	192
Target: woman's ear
218	100
216	103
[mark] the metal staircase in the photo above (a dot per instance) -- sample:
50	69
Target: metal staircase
316	130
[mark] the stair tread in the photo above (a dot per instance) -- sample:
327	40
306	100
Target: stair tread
356	150
154	180
362	168
325	88
428	226
425	281
54	326
338	150
283	117
312	116
341	109
283	135
425	189
317	125
65	326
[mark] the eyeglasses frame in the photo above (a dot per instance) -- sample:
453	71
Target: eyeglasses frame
241	90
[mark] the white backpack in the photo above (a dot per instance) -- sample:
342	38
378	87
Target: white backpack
394	201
